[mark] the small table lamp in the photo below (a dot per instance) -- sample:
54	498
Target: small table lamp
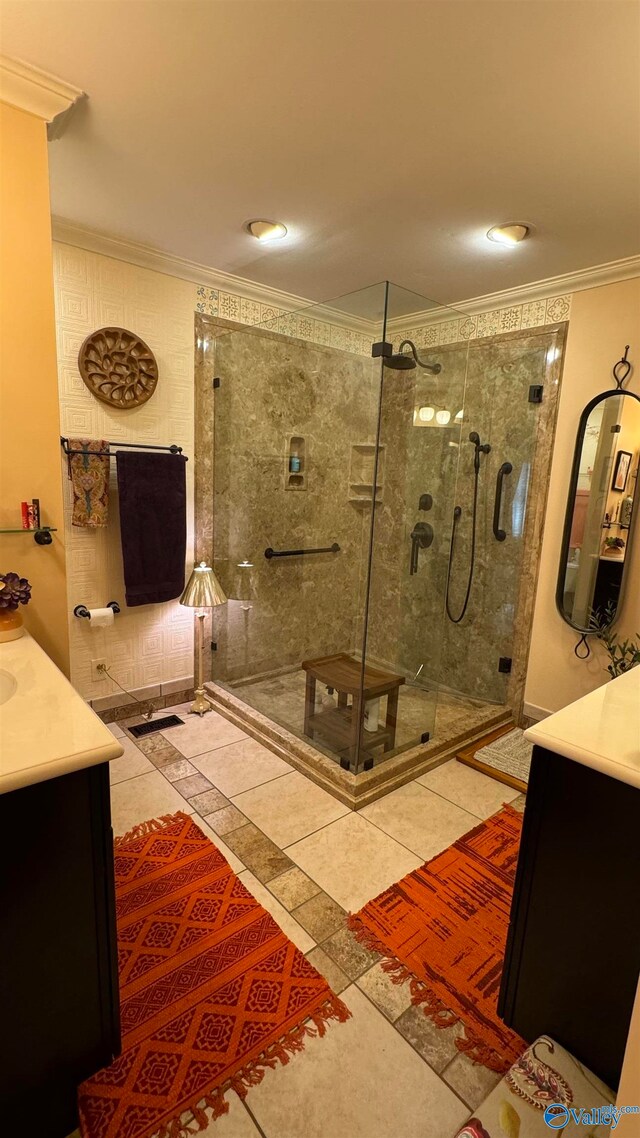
202	591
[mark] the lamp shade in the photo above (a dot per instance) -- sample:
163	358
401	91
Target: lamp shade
203	590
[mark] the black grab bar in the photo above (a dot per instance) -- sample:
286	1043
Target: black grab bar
269	553
498	533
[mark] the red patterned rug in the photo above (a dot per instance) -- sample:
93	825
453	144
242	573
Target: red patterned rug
444	927
212	992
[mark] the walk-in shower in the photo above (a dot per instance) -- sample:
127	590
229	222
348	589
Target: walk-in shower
351	521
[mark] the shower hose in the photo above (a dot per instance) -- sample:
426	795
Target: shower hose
457	513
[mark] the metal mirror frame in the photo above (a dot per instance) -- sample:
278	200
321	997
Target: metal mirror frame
573	486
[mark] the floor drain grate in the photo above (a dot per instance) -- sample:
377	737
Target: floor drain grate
157	725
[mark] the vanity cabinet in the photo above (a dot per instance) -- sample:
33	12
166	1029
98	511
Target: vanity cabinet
58	961
573	950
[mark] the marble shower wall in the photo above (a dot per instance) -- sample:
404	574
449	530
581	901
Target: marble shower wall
489	381
273	388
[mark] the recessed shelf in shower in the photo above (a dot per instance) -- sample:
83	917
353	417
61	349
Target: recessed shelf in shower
361	473
295	470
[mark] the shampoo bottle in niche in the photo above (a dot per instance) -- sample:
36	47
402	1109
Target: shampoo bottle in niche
294	463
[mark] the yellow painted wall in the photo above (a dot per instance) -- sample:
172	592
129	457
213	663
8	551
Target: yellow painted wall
602	321
30	464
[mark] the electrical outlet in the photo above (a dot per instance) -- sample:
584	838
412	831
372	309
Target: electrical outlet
97	669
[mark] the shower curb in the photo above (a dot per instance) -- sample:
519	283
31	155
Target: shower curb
353	791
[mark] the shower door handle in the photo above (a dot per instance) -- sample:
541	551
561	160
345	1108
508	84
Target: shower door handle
499	533
421	538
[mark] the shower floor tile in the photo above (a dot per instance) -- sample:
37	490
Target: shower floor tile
468	788
289	808
441	714
424	822
353	860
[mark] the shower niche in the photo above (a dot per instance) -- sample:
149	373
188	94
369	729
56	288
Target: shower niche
296	462
362	471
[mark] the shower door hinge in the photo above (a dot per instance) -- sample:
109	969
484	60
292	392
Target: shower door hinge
216	383
381	348
536	392
214	646
504	664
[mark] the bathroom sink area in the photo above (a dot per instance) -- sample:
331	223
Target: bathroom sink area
8	685
46	728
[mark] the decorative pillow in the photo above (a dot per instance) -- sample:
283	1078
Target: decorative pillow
533	1087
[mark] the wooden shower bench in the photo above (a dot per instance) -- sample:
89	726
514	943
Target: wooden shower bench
341	725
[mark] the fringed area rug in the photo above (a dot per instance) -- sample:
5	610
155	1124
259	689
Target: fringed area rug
443	929
212	992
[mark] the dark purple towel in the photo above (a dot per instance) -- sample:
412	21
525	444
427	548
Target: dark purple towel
153	522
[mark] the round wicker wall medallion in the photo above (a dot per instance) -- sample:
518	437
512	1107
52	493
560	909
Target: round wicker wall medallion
118	367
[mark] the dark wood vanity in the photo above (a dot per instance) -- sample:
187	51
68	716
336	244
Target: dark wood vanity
58	954
573	951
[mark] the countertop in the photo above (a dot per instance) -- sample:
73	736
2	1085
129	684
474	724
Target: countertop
601	730
46	728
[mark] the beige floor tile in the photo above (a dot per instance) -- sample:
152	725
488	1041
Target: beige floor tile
289	808
392	999
130	764
226	819
209	801
352	860
467	788
181	768
436	1044
349	953
293	888
241	766
420	819
197	735
233	859
191	785
237	1123
115	729
258	853
471	1081
362	1080
321	916
139	799
287	923
327	967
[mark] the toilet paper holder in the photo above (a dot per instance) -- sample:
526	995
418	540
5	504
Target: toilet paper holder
82	610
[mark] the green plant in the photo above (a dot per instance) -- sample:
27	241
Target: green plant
614	542
622	654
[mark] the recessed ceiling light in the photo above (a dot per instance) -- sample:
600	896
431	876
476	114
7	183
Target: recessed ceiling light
266	230
509	234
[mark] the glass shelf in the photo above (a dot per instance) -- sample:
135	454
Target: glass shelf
41	535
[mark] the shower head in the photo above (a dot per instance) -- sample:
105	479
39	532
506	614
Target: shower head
400	361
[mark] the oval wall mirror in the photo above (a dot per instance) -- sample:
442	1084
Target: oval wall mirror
600	511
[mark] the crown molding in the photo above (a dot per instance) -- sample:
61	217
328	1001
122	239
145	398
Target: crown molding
147	257
35	91
611	273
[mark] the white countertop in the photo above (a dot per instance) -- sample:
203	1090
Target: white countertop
46	728
601	730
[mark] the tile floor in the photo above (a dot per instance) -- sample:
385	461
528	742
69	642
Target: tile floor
310	860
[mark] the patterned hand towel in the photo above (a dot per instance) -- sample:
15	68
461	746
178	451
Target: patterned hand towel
89	474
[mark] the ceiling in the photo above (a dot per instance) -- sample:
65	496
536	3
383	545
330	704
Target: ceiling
388	136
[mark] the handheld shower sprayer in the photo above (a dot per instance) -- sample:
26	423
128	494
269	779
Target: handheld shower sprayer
480	448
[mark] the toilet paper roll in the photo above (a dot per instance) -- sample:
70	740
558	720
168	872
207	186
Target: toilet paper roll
101	618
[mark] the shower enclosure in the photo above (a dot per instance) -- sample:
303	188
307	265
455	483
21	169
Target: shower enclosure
349	443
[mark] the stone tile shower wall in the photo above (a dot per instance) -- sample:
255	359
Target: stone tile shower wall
274	388
489	380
